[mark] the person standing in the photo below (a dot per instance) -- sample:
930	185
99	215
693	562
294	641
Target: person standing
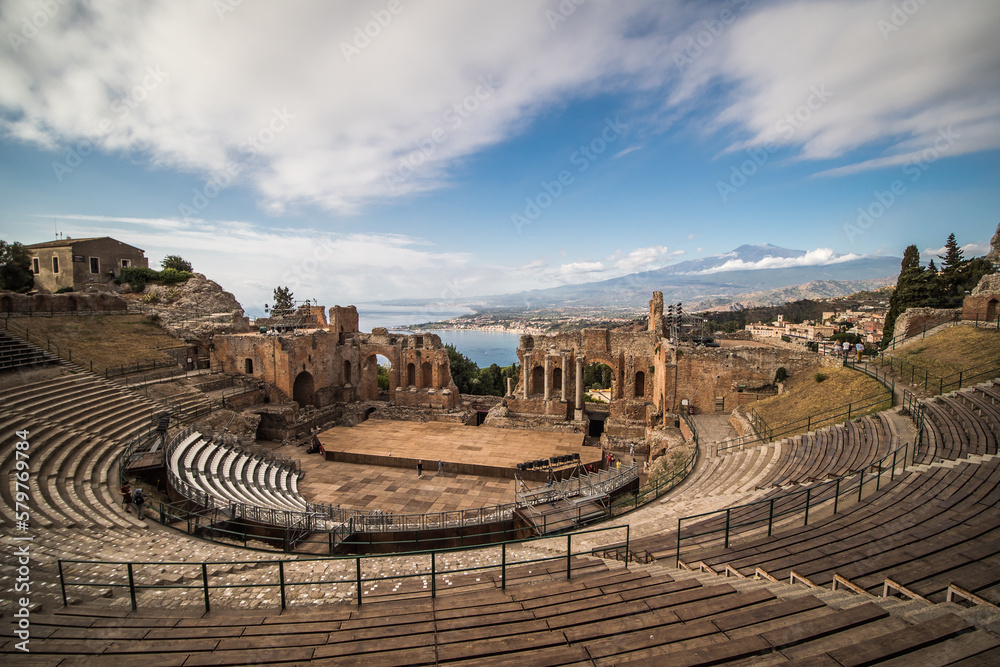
860	347
126	492
139	499
420	468
440	467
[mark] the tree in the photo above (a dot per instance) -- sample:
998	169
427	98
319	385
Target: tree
952	257
912	289
15	267
175	262
284	301
464	371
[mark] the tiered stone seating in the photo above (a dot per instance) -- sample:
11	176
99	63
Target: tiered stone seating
231	476
833	451
16	353
927	530
599	617
962	423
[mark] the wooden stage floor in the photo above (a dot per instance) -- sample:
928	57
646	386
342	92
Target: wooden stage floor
376	482
454	444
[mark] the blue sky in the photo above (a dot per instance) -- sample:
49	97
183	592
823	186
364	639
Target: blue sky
371	151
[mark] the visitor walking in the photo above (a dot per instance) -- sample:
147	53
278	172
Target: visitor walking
139	499
860	347
847	350
440	467
420	468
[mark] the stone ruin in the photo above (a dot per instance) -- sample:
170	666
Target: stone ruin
332	364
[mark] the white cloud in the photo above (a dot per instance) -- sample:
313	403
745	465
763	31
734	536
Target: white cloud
817	257
969	250
828	77
617	264
173	82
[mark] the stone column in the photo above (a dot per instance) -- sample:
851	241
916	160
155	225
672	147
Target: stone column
510	386
525	374
565	377
548	372
578	413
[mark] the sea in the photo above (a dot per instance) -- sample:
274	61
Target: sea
482	347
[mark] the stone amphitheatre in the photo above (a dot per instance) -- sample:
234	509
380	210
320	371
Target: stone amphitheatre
868	535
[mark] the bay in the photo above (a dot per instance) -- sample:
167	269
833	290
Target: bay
482	347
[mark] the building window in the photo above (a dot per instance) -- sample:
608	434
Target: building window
126	263
34	266
248	366
95	264
55	264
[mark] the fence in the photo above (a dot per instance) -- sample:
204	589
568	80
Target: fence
67	354
99	575
755	516
935	384
763	432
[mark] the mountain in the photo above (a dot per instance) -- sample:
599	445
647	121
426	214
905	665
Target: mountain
814	290
712	279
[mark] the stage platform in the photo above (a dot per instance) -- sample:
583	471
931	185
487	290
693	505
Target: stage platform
467	450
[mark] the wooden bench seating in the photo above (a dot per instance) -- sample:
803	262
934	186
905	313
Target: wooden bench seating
556	622
939	527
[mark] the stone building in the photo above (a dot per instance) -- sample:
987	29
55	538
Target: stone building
653	377
76	263
332	362
983	304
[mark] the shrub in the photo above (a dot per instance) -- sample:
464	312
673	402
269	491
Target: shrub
781	375
819	377
137	277
151	297
176	262
172	294
170	276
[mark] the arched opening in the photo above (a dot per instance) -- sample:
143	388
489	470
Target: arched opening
347	372
640	384
248	366
597	382
991	309
426	375
557	379
303	389
411	375
537	380
368	413
6	304
375	378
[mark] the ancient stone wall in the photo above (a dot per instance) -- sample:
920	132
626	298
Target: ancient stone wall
983	304
913	320
11	302
322	367
710	379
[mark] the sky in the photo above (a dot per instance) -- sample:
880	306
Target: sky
364	152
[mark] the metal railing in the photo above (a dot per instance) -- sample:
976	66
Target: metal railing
935	384
67	354
143	576
764	433
580	484
755	516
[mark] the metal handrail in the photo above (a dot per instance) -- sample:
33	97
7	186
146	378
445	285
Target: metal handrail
810	493
93	578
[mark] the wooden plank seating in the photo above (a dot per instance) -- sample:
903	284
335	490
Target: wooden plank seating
602	618
924	535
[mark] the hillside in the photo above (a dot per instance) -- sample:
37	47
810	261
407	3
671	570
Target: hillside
824	401
953	350
812	290
109	341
